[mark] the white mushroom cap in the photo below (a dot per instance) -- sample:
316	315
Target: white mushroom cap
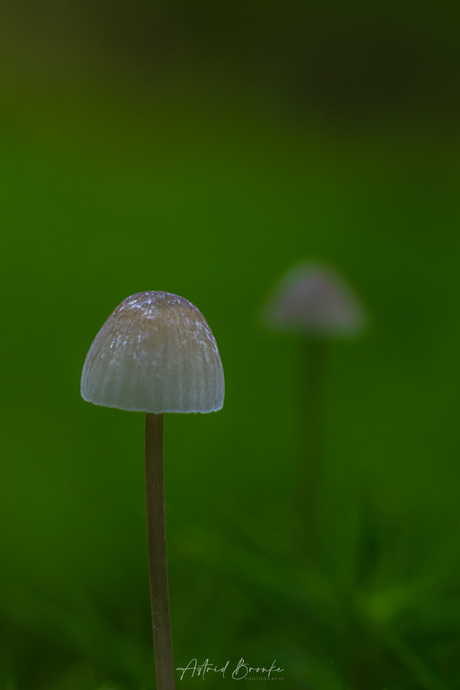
313	300
155	353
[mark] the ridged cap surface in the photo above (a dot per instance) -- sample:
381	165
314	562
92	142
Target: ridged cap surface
314	300
155	353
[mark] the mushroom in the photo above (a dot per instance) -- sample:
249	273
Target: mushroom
156	354
313	302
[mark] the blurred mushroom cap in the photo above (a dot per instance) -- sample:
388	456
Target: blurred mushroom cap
314	300
155	353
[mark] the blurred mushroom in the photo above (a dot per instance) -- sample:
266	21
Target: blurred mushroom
156	354
313	302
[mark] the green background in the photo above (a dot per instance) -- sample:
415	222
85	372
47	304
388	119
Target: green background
203	149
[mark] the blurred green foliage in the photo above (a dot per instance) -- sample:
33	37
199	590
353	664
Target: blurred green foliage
118	177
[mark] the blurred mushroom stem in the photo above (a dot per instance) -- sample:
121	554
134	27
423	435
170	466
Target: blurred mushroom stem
156	535
314	356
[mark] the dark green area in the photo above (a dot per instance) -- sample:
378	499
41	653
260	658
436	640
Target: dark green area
116	179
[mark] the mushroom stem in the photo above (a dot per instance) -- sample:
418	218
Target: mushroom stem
157	551
311	465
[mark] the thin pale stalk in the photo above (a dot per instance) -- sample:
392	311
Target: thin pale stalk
311	460
162	641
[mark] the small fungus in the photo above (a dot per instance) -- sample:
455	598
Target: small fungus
155	354
314	301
